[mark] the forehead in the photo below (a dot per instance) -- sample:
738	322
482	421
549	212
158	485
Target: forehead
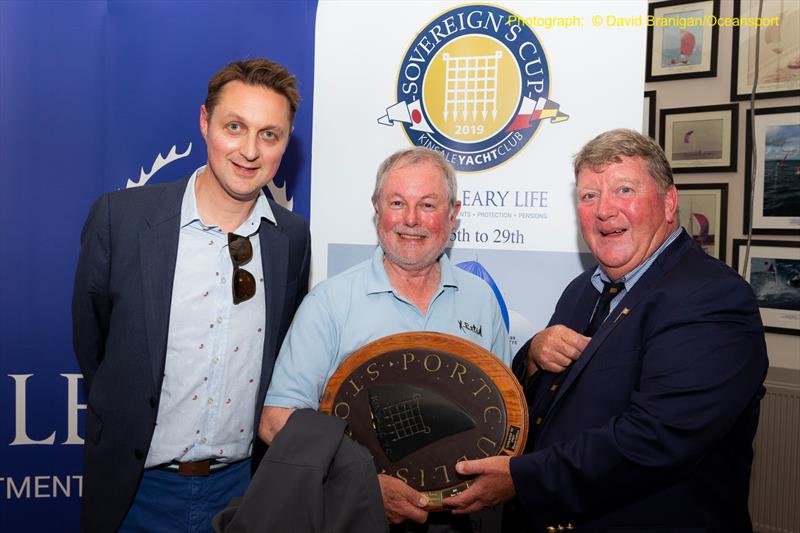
423	178
628	169
254	103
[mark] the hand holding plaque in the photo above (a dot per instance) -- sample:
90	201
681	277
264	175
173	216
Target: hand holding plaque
421	401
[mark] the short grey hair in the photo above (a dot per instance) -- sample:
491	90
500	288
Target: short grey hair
411	156
611	146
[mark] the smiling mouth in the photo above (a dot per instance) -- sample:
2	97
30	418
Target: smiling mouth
611	233
244	168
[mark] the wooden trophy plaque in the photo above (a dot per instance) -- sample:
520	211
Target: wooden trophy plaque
422	401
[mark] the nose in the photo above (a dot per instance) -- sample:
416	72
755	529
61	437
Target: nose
249	148
605	207
410	216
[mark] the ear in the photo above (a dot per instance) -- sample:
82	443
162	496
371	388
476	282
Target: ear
455	212
670	204
204	117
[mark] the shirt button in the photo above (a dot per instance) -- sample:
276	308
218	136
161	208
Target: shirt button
222	280
203	440
210	401
215	360
219	320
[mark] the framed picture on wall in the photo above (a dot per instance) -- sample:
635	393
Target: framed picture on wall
649	114
773	270
776	184
779	50
700	139
703	211
685	45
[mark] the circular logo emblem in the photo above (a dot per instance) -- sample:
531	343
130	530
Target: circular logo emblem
422	401
474	84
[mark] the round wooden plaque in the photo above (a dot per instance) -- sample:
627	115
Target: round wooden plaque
422	401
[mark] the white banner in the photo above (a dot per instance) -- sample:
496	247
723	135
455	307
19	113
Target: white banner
508	93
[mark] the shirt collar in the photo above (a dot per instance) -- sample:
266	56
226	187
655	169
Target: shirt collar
378	280
190	213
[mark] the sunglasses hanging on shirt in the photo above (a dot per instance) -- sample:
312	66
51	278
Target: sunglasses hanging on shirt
244	284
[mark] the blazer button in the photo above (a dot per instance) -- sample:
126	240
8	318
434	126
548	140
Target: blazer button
139	454
152	402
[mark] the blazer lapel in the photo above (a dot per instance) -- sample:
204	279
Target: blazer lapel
649	280
274	260
158	252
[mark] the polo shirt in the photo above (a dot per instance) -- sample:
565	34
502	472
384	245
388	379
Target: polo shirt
351	309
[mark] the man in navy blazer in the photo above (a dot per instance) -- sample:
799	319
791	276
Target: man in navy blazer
183	295
642	416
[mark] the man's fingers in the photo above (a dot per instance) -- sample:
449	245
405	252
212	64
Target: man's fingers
578	342
471	468
401	501
464	503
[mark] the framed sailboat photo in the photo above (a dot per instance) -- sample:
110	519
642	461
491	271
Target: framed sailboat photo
703	212
773	270
778	50
649	114
775	186
682	44
700	139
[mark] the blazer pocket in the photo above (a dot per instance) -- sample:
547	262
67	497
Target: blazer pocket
94	426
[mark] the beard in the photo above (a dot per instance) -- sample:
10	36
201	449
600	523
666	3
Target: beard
394	254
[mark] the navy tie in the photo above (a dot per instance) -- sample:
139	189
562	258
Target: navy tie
610	290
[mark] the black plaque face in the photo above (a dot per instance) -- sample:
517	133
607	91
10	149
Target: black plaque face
420	402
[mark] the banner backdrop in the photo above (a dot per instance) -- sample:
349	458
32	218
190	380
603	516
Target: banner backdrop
96	96
507	92
101	95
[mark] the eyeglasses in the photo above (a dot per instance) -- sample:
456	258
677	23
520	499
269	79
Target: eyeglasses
244	284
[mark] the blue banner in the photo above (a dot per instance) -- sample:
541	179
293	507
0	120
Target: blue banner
97	96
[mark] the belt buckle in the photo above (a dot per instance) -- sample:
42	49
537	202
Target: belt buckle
195	468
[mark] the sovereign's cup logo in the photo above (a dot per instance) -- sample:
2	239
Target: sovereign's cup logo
474	86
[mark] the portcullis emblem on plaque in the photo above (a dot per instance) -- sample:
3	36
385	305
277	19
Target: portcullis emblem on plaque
421	401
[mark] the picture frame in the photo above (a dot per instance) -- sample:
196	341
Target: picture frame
776	198
779	51
774	274
680	52
649	114
703	212
700	139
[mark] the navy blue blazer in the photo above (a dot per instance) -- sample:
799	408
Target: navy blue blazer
120	312
652	428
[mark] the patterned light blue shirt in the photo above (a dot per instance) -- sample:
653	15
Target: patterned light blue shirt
214	348
349	310
634	275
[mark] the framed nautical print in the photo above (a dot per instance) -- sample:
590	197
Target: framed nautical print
700	139
773	270
778	50
649	114
682	43
775	186
703	212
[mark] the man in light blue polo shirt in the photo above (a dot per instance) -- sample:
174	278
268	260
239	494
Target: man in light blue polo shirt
408	285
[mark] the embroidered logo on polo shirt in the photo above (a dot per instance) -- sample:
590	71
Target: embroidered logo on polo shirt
466	326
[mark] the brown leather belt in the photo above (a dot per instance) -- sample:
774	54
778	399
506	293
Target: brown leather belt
195	468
